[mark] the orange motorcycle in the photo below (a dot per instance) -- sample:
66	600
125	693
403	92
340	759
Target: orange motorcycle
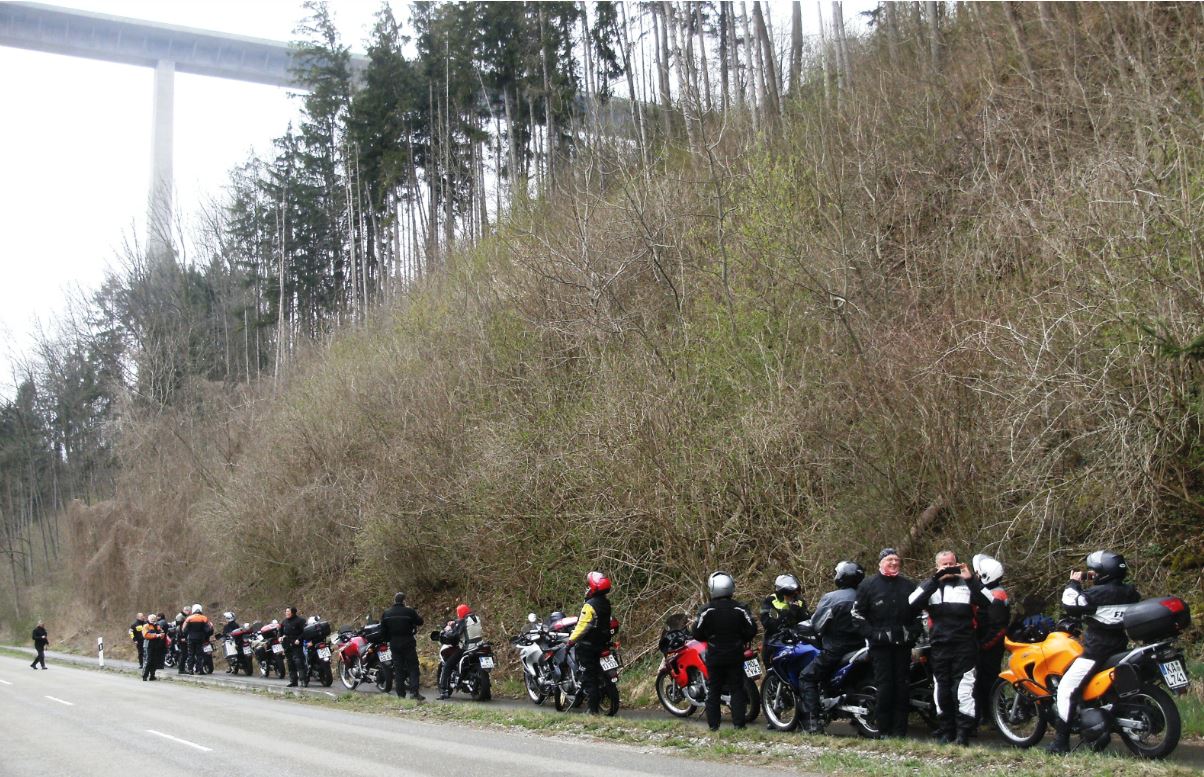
1124	695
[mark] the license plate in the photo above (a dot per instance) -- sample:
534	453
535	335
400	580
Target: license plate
248	650
207	648
752	668
277	648
324	654
230	649
486	662
1174	674
386	655
609	662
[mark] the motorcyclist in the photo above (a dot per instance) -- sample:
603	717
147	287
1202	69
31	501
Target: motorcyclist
176	632
839	635
887	619
726	626
290	638
230	626
464	633
197	631
153	632
1103	605
136	636
591	636
783	608
993	621
399	624
952	596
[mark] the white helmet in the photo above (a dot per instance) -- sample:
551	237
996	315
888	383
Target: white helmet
785	584
721	585
988	569
196	609
228	616
312	620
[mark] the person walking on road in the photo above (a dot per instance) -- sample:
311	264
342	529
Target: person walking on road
726	626
40	641
156	645
400	623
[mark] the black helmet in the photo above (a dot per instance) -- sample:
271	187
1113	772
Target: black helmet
849	574
1108	567
1094	727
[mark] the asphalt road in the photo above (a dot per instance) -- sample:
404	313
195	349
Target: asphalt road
72	722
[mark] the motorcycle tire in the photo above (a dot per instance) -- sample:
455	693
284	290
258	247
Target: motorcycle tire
533	692
169	660
265	669
867	725
325	676
1156	709
278	663
671	696
752	698
566	701
349	674
780	703
483	690
384	679
610	699
1017	716
207	665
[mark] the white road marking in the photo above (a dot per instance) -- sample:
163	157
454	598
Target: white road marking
202	748
5	682
60	701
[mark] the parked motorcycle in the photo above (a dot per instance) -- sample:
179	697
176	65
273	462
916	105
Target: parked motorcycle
532	646
567	672
237	649
364	657
207	656
681	682
268	649
317	652
1124	696
172	639
471	672
849	694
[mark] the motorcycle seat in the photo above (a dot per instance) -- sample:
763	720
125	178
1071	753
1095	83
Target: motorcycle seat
852	656
1113	660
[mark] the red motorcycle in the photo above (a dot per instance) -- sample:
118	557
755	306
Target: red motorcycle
681	683
364	657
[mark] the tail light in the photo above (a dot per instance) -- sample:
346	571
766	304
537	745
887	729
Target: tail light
1174	604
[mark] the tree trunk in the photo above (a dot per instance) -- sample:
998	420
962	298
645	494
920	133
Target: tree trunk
773	106
796	46
934	35
724	45
750	66
1021	40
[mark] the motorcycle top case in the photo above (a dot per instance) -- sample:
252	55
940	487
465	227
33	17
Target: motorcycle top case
315	632
374	632
1155	619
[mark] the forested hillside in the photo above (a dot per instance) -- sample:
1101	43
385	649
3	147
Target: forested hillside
551	296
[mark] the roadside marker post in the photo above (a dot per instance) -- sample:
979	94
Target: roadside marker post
100	651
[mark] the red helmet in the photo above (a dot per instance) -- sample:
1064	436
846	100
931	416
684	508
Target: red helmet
596	583
462	611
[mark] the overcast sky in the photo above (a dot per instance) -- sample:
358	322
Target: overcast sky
76	147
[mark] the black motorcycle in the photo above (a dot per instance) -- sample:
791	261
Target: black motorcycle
317	653
471	672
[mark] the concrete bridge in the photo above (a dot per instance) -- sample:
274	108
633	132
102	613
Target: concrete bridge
165	47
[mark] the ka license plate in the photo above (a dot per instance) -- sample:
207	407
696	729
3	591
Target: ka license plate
386	655
277	648
324	654
1174	674
609	663
752	668
486	662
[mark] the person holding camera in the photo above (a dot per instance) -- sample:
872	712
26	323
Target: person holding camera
952	597
1102	604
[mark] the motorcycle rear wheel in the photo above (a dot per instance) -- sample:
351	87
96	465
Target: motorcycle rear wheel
610	698
1016	715
384	679
865	725
671	696
780	703
482	691
1158	713
278	663
752	698
325	675
349	674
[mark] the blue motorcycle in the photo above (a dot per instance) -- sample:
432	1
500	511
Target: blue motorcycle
849	694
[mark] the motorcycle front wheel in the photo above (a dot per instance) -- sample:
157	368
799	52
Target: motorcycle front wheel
1017	715
533	692
349	674
1159	725
780	703
565	700
671	696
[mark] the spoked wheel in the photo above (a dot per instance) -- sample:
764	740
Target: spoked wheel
349	674
780	703
672	697
1157	723
534	693
1017	716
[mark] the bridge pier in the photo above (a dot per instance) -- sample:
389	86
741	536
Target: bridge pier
159	208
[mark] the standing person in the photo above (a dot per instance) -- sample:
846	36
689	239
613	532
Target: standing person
1102	604
290	637
155	635
181	643
400	623
591	637
726	626
993	624
952	597
839	636
40	641
782	609
887	619
136	636
197	630
464	633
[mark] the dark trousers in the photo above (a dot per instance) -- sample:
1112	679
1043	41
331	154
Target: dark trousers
818	673
406	674
725	675
450	661
989	661
196	656
892	668
140	644
953	673
294	656
590	661
183	658
153	662
40	657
